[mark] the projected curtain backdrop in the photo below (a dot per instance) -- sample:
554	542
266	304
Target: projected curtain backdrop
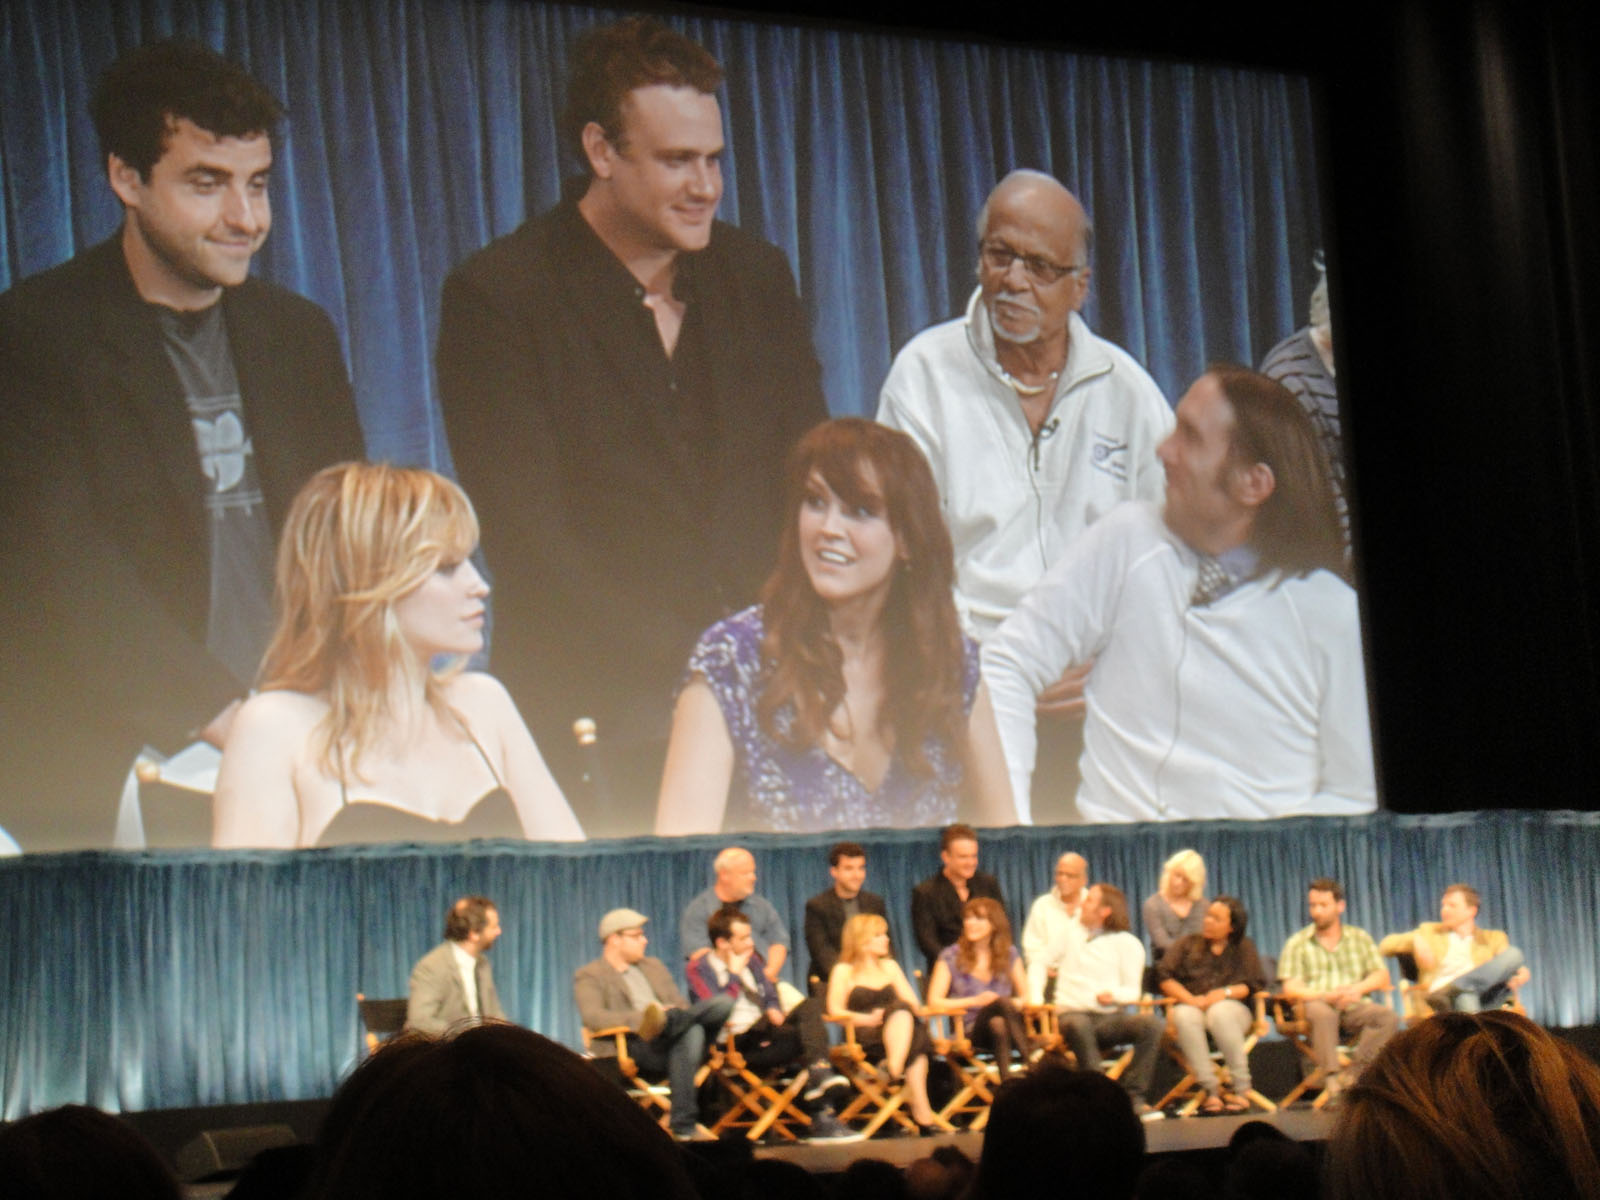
421	129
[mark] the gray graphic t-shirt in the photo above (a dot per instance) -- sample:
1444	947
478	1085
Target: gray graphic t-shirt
240	619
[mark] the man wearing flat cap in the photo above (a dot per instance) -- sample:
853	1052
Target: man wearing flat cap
626	987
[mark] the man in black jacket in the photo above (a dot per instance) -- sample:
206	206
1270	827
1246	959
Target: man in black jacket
828	910
622	378
159	409
937	901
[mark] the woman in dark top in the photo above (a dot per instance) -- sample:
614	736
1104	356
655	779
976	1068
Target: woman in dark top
982	976
868	989
355	735
1211	976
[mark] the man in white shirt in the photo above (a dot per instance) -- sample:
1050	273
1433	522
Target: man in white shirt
1034	427
453	981
1053	929
1101	976
1226	645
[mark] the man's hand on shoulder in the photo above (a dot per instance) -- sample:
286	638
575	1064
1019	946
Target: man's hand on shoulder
1063	700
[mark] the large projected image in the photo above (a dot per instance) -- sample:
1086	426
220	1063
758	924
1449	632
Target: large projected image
844	418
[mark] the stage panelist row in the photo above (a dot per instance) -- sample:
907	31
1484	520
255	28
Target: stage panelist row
354	735
1227	675
159	409
849	697
621	378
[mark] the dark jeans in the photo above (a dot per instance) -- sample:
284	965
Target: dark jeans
801	1039
1088	1032
678	1050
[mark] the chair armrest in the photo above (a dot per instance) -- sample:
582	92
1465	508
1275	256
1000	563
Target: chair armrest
619	1033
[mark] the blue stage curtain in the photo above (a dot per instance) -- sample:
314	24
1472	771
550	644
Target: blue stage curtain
136	981
421	129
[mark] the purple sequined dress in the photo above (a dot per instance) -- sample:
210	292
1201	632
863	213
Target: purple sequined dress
795	791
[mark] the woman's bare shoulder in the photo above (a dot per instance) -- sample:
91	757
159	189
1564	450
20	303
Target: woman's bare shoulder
280	712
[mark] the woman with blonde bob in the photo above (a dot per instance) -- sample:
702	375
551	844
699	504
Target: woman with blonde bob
868	990
848	697
355	735
1178	905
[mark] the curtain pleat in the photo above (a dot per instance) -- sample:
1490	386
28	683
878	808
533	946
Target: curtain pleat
421	129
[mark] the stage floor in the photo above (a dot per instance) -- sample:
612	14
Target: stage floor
1174	1135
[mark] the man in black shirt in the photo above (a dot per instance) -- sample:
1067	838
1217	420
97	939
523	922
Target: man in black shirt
828	910
937	901
622	378
160	410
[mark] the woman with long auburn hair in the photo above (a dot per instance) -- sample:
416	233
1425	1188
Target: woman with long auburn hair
982	975
848	697
355	734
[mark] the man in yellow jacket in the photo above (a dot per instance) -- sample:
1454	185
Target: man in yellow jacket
1460	966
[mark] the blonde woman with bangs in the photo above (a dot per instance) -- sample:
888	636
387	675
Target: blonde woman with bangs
355	734
1178	905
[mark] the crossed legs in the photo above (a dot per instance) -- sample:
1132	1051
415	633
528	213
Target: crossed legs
899	1029
679	1049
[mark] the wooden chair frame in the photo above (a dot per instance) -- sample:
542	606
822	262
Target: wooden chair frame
977	1075
757	1103
654	1098
1289	1017
876	1101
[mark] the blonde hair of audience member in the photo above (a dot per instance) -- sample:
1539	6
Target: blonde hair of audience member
864	962
344	689
905	626
1470	1106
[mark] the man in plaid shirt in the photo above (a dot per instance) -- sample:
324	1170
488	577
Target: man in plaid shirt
1332	967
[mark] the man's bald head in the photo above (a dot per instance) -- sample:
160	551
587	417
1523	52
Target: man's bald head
736	873
1033	262
1048	197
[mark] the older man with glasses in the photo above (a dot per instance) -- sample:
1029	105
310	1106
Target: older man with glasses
1034	426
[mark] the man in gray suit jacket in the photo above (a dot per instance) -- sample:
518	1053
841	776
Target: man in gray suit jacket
624	987
453	981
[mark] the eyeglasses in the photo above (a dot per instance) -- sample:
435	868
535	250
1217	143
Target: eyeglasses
997	256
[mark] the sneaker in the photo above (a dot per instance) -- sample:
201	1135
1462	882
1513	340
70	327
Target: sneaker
652	1022
823	1080
698	1134
825	1127
1145	1112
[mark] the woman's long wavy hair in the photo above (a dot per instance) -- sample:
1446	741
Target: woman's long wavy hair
923	659
360	537
999	937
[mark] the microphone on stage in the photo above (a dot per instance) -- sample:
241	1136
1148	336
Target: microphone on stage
592	779
1049	427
